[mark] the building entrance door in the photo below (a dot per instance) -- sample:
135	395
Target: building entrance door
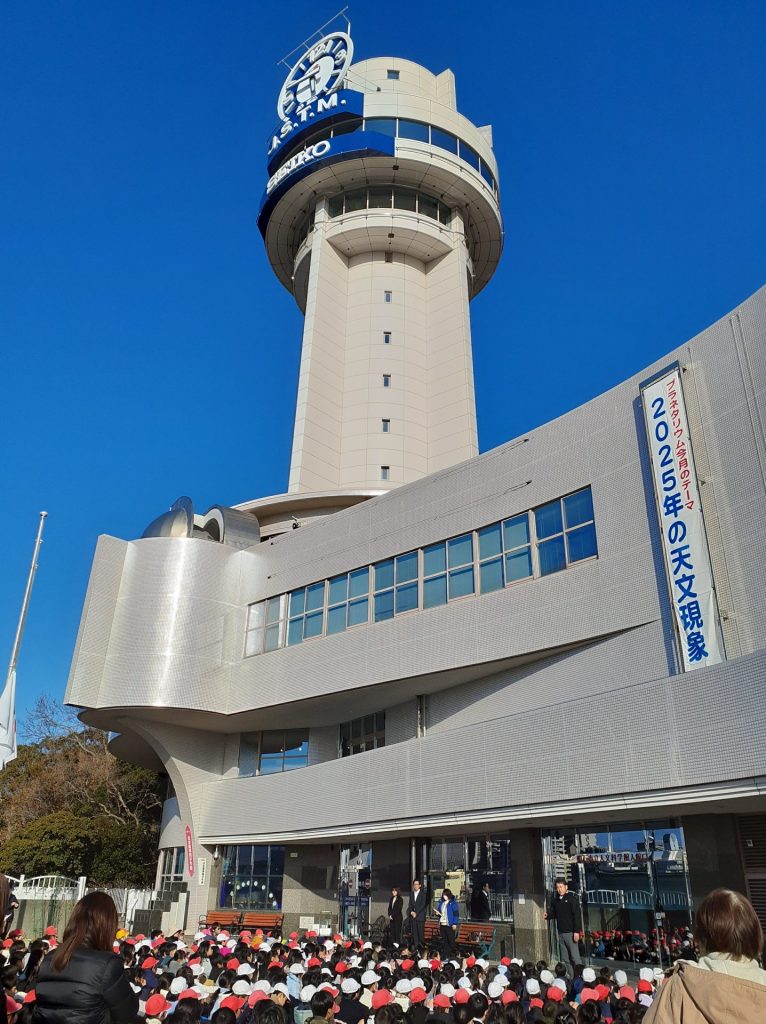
355	872
632	882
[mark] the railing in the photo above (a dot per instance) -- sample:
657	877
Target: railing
637	898
49	887
501	906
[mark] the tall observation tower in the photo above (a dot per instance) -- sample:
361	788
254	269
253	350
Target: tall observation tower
381	216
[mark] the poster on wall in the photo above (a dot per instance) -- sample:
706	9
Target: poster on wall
189	853
684	542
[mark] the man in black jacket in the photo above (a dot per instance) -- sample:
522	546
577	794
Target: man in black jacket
417	912
565	911
395	915
481	908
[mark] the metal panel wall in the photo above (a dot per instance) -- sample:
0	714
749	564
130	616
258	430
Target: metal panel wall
681	731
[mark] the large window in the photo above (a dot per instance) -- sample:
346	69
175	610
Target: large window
505	553
465	865
362	734
566	531
266	625
251	877
267	753
526	546
624	875
172	863
306	613
348	600
396	586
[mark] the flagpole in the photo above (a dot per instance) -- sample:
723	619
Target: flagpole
27	595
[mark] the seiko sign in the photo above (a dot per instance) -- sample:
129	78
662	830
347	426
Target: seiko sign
312	84
305	156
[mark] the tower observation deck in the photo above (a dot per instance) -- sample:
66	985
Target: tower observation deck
381	216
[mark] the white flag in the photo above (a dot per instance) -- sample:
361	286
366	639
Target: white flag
8	721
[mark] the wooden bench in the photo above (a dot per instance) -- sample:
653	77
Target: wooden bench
242	920
472	936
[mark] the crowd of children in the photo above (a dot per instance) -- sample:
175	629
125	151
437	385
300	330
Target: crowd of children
256	978
654	947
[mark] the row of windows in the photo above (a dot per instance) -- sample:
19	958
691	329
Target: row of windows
402	128
387	197
533	544
280	750
419	131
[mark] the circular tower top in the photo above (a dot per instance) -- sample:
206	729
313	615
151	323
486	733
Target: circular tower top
384	121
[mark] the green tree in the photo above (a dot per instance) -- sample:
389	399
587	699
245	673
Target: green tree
60	843
68	806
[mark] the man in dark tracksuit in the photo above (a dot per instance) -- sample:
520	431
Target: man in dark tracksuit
565	911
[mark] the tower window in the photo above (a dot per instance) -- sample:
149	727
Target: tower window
389	257
385	472
386	337
392	75
387	296
386	380
386	424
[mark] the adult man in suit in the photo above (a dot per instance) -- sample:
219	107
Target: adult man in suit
417	912
395	914
481	909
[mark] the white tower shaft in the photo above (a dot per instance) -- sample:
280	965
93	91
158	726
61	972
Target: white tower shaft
385	394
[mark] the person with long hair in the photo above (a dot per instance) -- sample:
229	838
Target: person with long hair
82	981
727	984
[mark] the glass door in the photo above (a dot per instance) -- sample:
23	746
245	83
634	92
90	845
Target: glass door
355	874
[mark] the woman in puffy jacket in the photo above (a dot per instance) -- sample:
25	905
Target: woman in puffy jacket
82	981
727	985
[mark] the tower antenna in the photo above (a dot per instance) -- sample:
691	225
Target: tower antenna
317	34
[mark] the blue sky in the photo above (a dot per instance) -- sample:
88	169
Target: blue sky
148	350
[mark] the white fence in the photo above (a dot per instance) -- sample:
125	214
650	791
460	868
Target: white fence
48	887
59	889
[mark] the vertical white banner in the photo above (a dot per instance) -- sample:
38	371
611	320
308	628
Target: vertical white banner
684	542
8	721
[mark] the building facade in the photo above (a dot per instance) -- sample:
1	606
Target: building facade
545	659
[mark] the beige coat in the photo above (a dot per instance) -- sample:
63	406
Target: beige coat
709	993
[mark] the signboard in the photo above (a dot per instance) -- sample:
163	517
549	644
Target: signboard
303	156
327	151
344	105
621	857
189	853
312	84
684	544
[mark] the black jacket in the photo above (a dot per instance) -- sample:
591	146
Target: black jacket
418	905
352	1011
395	905
565	910
481	909
92	989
